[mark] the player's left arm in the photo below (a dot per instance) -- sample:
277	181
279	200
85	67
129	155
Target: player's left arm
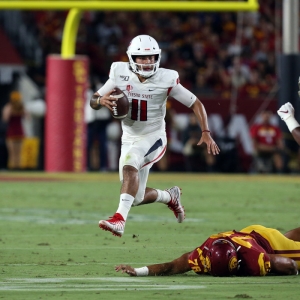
200	112
177	266
283	265
184	96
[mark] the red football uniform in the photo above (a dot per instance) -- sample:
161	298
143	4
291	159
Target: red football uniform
266	134
252	252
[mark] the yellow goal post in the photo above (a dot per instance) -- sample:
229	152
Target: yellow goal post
76	8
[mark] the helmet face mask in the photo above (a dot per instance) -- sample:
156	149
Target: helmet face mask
144	45
223	258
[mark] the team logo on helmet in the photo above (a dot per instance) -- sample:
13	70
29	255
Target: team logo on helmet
233	264
223	258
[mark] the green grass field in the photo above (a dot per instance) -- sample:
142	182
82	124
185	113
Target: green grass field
52	248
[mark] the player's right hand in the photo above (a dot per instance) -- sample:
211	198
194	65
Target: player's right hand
126	269
285	111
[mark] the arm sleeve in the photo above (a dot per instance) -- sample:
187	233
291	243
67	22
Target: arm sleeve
183	95
108	86
110	83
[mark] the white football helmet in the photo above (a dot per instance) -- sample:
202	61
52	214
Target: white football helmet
143	45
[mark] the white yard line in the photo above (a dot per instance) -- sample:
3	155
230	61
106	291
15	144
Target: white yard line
88	284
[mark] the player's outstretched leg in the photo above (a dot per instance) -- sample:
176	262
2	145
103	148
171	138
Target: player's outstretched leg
174	204
115	224
169	197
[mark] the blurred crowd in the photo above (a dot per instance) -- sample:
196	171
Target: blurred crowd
213	52
218	55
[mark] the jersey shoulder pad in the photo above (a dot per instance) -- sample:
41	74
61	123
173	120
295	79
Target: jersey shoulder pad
118	68
169	76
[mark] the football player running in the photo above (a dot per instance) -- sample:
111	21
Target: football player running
253	251
144	138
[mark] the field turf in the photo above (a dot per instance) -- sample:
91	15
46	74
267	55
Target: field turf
52	248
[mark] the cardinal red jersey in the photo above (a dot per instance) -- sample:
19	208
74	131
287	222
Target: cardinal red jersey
265	134
253	257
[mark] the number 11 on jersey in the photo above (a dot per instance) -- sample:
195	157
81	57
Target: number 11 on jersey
136	106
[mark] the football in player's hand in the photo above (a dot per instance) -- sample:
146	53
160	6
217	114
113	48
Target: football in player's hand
121	110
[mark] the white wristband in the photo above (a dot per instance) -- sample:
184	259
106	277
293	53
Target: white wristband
291	123
144	271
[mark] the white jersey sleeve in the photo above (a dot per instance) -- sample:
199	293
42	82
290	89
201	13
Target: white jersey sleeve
108	86
111	83
183	95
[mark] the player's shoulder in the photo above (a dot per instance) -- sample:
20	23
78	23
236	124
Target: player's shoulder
167	75
120	65
167	72
119	71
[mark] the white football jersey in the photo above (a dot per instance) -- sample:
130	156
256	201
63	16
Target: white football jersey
147	100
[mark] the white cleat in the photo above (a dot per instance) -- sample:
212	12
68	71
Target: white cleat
175	204
115	225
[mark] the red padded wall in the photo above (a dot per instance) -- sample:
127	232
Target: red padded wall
65	129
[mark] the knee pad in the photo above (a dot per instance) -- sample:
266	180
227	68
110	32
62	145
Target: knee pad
132	159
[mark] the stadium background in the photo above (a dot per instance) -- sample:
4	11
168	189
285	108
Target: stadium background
228	59
51	247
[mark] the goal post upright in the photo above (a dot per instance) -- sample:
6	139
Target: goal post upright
70	33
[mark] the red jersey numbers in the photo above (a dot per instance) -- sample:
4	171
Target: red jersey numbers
139	110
